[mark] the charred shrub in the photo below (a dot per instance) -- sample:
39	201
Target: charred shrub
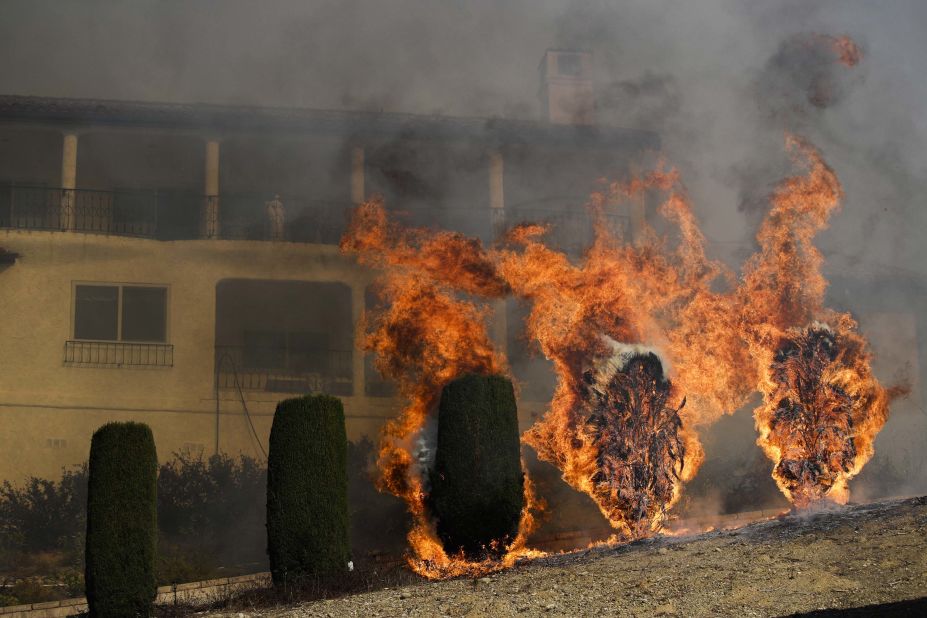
307	505
640	453
122	521
477	485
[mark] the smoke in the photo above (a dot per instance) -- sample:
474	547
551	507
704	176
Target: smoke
719	80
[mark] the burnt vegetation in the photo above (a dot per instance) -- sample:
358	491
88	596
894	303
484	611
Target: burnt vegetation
639	452
813	422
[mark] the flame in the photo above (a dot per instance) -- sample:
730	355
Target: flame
822	407
424	338
848	52
649	340
633	459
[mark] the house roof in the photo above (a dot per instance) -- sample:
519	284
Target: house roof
350	124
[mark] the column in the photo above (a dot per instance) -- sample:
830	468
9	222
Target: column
499	331
496	193
637	208
358	191
211	190
358	302
67	216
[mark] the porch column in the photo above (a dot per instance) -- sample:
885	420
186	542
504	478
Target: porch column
499	329
496	193
358	191
67	217
211	190
358	377
637	208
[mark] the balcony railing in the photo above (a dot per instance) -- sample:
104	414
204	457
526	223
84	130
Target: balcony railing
281	370
270	217
571	230
173	215
178	215
118	354
147	214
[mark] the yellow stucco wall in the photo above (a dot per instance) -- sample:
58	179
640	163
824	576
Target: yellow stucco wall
41	399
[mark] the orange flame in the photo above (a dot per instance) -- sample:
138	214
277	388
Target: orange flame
721	341
822	407
424	338
648	292
848	52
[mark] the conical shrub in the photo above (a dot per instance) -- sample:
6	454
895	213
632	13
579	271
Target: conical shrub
477	484
307	504
122	521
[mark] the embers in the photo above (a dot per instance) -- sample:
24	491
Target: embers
635	434
813	423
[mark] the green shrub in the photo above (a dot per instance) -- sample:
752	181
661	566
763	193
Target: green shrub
307	506
122	521
43	515
210	513
477	485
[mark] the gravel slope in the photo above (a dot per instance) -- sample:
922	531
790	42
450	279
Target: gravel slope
849	557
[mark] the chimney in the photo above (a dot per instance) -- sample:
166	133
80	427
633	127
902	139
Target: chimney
566	90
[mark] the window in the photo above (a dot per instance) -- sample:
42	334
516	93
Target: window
569	64
131	313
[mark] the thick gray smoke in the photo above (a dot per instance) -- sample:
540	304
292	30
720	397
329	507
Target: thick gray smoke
719	80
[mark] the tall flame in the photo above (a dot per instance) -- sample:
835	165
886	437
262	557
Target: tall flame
424	338
649	341
822	407
627	293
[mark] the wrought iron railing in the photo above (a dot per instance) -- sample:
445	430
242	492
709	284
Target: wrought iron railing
118	354
570	223
148	214
570	230
284	370
173	215
179	215
274	217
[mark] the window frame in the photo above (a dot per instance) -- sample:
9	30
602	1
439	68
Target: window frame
119	309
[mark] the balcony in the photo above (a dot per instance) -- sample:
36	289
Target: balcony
571	229
177	215
287	218
282	370
171	215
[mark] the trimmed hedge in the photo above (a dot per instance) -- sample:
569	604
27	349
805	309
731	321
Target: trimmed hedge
307	504
477	485
122	521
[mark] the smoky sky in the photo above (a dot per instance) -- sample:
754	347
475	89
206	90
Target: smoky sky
708	76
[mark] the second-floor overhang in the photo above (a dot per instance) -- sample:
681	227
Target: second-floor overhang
69	113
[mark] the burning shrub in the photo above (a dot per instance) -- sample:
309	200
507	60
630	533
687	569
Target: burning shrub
821	414
307	504
477	486
635	437
122	521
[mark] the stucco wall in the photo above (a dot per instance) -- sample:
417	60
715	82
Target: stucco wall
41	399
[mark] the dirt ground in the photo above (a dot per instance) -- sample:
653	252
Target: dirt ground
850	557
